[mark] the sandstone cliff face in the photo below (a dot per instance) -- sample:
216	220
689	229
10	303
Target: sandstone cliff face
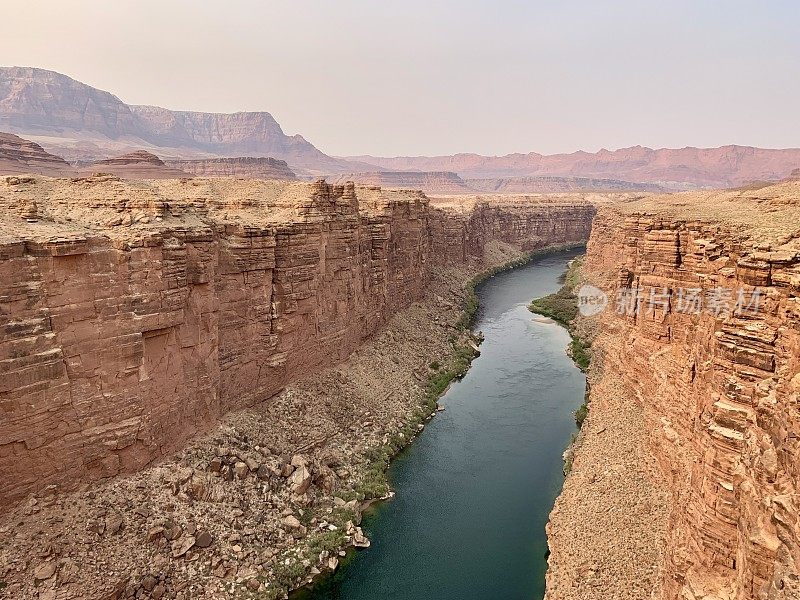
250	167
136	314
718	391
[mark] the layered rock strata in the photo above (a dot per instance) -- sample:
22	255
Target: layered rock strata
243	166
432	182
712	387
19	156
551	184
135	165
136	314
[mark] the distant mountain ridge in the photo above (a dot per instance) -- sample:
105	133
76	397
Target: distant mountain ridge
82	123
671	168
79	122
449	183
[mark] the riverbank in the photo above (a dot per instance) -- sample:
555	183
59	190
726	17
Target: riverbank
562	307
444	370
607	527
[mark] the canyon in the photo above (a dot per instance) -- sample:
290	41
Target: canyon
685	476
202	355
194	371
198	357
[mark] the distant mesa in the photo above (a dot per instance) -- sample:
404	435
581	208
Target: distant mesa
82	123
135	165
23	157
673	169
249	167
432	182
19	156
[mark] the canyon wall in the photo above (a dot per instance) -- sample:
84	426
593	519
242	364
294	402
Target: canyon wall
717	384
135	314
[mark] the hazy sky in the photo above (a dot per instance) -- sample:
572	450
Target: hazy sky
411	77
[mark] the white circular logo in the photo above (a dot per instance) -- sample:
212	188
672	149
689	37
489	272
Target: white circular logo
591	300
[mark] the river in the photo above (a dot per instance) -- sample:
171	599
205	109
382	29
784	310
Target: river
475	489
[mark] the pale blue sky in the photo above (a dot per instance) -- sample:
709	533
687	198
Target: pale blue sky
412	77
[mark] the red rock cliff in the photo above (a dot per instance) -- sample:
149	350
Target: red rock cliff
135	314
718	391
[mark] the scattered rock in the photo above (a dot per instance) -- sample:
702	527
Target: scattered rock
359	539
149	583
114	523
300	480
45	571
204	539
291	522
241	470
181	546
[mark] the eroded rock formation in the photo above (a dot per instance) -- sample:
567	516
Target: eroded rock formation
80	122
713	389
135	314
550	184
448	182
